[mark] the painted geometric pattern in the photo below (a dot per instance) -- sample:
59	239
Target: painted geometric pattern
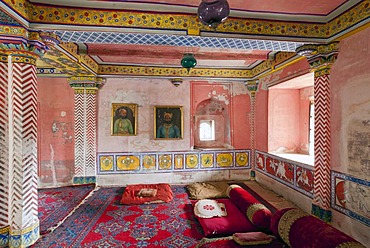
139	20
350	196
23	146
90	134
84	180
5	19
322	142
4	146
115	163
175	40
290	173
79	108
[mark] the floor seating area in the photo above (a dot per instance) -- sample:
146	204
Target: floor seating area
255	222
209	214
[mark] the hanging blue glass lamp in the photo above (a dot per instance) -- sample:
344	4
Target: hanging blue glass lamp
213	12
188	61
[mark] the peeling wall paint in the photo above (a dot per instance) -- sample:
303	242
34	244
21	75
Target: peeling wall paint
55	132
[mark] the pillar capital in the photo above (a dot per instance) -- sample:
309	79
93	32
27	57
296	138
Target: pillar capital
320	56
22	45
79	83
50	39
252	86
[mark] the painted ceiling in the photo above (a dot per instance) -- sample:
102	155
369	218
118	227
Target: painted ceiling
148	37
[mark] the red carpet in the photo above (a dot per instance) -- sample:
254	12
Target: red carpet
102	222
56	203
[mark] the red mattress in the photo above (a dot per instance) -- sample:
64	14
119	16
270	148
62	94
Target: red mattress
147	193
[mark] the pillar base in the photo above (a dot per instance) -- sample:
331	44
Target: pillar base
84	180
321	213
19	238
4	236
253	175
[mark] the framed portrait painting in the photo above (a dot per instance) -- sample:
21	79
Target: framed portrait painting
168	122
124	119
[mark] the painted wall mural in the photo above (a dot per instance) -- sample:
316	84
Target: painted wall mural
117	163
359	143
292	174
351	196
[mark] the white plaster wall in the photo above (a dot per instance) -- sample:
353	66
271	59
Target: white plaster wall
173	178
355	229
147	93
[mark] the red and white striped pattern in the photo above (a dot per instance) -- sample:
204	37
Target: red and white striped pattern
85	132
23	146
4	145
322	141
79	107
91	116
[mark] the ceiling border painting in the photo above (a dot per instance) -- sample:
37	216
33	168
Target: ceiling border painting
182	29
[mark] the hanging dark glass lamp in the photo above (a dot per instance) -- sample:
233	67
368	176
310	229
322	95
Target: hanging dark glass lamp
188	61
213	12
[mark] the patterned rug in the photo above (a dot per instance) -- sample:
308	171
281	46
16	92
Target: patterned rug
102	222
55	204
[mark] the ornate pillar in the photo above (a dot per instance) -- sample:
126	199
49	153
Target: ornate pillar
85	106
252	87
4	153
321	59
19	224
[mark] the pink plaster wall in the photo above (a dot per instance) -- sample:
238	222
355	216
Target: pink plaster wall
235	99
288	119
283	119
55	132
261	118
304	112
350	129
212	101
350	101
241	112
299	68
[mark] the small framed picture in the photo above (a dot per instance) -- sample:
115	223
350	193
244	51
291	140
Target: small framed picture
168	122
124	119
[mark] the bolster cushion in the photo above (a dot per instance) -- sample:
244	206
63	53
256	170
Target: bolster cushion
235	221
256	212
299	229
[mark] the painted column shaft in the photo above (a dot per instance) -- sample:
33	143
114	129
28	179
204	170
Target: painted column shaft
321	58
85	105
19	222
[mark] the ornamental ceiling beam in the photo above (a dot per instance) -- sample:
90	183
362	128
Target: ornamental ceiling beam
48	17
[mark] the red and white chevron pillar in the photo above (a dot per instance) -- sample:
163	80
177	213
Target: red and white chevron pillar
19	223
85	106
321	58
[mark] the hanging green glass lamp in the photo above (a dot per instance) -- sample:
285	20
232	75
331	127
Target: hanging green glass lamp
188	61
